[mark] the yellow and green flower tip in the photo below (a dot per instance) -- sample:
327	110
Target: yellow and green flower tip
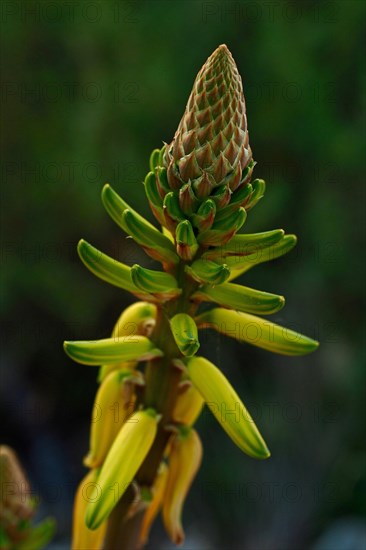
244	244
227	407
154	242
185	333
154	197
188	406
257	332
205	215
241	298
106	268
136	319
125	457
125	367
172	212
208	272
241	264
222	231
187	245
185	457
155	504
82	537
114	402
112	350
159	284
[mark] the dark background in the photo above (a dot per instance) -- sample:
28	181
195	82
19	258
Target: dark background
89	89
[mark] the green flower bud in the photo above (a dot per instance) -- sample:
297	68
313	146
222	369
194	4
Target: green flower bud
209	159
185	333
187	245
212	136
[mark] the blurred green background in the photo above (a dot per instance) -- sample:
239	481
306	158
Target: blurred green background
88	90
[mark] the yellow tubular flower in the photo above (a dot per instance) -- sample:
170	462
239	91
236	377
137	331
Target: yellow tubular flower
105	370
132	319
125	457
154	506
188	406
137	319
113	403
184	460
227	407
82	537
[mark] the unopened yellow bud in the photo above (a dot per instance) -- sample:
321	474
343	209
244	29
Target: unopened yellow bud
136	319
82	537
188	405
223	401
184	460
132	319
113	403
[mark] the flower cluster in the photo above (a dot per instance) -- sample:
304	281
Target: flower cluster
144	450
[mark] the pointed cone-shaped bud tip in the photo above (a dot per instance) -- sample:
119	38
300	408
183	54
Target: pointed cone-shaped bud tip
212	135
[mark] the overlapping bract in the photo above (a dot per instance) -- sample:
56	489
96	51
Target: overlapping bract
203	175
211	144
199	190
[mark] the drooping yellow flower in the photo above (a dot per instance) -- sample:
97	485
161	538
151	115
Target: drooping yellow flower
82	537
184	460
155	504
125	457
257	332
227	407
188	405
113	403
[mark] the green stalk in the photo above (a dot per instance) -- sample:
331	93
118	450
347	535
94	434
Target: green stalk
162	378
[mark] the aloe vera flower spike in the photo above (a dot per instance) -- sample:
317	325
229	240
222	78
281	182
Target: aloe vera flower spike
200	190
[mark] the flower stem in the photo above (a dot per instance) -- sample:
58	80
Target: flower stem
162	377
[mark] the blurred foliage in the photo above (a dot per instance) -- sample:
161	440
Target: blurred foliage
88	91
